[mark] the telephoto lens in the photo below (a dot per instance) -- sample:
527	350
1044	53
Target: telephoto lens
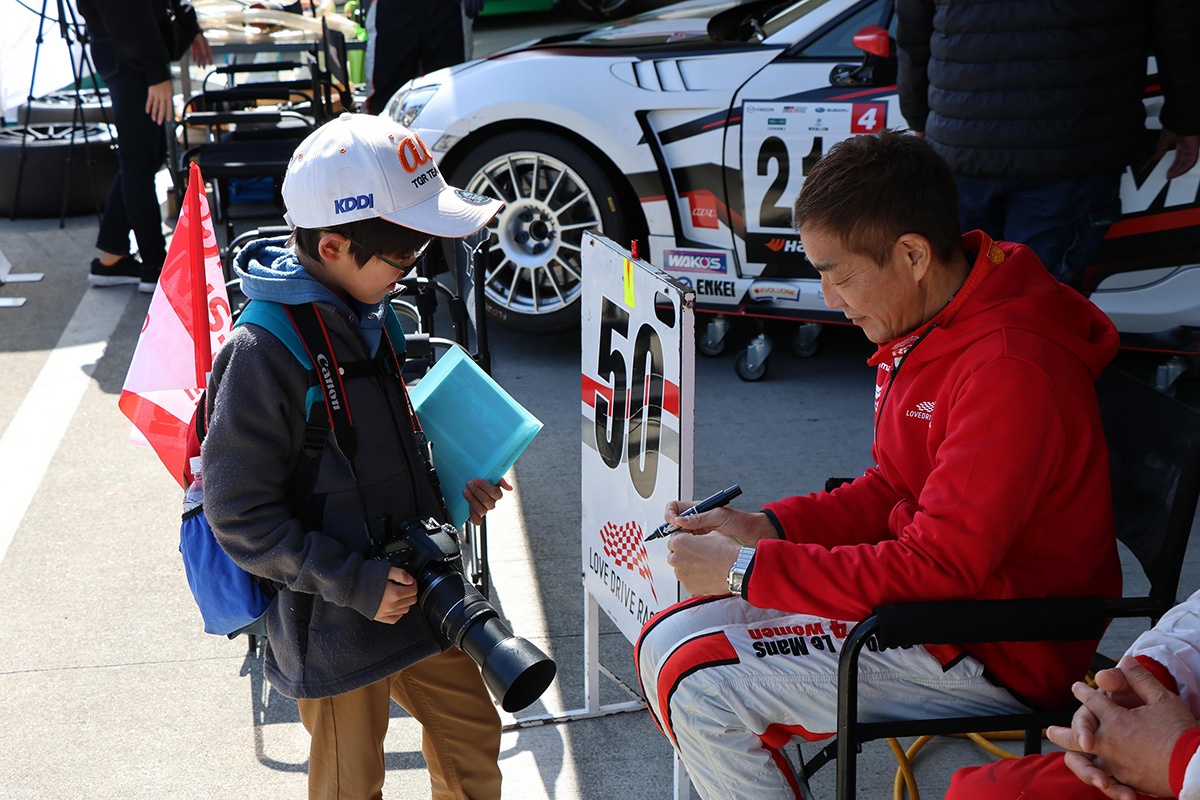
516	672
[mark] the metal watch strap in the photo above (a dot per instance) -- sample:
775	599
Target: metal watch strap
737	573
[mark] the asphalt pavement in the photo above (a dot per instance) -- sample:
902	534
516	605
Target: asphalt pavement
112	690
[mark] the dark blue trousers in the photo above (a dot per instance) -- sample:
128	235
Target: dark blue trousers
1062	221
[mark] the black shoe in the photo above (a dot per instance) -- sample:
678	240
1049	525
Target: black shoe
125	270
148	278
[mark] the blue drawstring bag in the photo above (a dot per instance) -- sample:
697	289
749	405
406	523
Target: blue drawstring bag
230	599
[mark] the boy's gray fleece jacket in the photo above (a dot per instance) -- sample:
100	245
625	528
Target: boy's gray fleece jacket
321	640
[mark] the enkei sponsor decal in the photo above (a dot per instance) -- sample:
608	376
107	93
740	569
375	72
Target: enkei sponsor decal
774	291
695	261
712	288
353	203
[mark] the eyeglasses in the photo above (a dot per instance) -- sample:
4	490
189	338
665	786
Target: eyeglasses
402	264
408	260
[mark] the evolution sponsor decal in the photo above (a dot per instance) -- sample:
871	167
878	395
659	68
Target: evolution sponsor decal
695	261
774	290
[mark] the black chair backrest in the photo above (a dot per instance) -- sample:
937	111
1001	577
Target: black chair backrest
1154	452
332	72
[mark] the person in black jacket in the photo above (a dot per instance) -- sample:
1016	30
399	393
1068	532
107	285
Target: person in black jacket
1038	109
407	38
131	58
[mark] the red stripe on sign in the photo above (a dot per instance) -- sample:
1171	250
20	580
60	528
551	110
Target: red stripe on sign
670	398
708	650
591	388
1155	222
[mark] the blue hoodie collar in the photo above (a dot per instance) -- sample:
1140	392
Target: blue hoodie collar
270	271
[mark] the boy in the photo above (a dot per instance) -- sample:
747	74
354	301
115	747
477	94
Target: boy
365	199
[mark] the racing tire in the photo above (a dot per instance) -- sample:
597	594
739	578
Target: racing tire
601	10
55	162
60	107
553	191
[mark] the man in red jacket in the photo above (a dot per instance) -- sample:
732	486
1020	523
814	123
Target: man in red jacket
991	481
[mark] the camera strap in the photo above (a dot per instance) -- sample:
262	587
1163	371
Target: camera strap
315	339
391	331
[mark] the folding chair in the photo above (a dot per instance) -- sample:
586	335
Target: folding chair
244	137
1154	453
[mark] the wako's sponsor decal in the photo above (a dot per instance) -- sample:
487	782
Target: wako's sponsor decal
774	290
695	261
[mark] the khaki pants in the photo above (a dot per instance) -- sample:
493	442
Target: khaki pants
460	739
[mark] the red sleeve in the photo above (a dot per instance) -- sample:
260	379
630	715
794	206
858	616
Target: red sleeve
1160	673
1004	443
1185	749
853	513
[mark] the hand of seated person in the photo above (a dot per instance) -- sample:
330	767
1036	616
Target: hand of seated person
399	595
1121	739
483	496
702	561
748	528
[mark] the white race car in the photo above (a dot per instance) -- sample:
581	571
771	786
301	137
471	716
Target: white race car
690	129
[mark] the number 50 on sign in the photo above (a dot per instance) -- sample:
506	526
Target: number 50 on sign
636	404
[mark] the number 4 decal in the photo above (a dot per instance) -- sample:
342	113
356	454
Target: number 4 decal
868	117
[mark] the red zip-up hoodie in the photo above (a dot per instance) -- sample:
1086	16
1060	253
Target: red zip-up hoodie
992	477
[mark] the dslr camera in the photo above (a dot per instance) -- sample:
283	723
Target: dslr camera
515	671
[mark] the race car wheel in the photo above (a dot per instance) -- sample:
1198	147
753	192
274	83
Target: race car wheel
553	191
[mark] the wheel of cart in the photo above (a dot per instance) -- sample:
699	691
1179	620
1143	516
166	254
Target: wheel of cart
751	364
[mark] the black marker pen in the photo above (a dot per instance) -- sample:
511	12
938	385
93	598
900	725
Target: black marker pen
717	500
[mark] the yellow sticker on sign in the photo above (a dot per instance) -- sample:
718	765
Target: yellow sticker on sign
629	283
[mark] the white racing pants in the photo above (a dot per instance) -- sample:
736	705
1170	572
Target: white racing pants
730	684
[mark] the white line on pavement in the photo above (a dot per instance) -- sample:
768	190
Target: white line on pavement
33	435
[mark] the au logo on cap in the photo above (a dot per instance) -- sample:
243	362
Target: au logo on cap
413	154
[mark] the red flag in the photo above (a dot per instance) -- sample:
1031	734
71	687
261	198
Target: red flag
188	320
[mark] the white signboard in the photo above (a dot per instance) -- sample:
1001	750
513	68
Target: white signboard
781	142
637	404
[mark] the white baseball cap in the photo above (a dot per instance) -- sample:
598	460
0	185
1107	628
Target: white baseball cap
360	166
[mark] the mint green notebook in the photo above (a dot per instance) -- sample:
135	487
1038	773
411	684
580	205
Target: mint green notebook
476	428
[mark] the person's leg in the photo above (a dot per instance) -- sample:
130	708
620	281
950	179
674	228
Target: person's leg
1064	221
731	684
460	726
140	151
393	49
345	760
442	36
1043	777
981	205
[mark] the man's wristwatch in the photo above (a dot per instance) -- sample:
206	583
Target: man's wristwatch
737	573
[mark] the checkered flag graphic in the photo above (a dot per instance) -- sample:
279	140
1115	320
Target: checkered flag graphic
623	544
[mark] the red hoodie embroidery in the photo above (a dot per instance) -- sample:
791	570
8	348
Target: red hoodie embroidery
991	477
